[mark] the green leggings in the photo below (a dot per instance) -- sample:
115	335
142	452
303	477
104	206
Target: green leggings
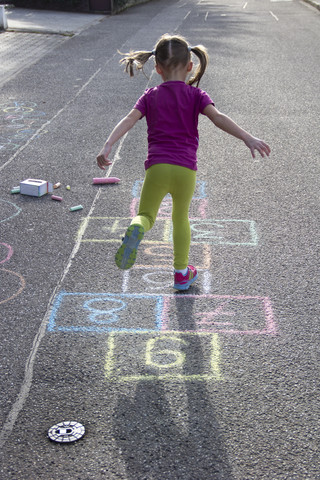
161	179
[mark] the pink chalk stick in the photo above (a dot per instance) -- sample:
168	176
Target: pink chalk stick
106	180
55	197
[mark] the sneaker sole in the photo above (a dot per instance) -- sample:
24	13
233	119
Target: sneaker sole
126	254
186	285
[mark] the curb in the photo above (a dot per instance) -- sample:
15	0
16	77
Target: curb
40	31
314	3
45	22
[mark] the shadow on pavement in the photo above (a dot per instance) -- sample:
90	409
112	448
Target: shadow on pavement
169	429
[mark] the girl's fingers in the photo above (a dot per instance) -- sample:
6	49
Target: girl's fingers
102	160
263	149
266	148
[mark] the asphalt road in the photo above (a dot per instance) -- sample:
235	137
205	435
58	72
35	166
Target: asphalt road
221	382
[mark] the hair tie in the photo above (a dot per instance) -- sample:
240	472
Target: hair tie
189	48
153	52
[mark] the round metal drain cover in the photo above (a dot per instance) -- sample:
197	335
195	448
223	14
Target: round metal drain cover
66	432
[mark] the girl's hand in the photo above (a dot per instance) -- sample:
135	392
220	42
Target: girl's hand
102	158
254	143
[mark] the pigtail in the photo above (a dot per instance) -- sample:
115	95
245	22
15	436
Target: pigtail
135	60
201	52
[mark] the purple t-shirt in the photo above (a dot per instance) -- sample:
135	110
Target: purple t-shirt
172	111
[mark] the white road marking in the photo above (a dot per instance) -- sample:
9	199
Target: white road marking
29	367
28	375
45	125
274	16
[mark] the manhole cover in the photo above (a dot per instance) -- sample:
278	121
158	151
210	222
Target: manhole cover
66	432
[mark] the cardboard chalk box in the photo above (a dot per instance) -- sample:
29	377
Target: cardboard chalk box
35	187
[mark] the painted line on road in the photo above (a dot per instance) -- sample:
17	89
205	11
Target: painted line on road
27	382
274	16
23	394
40	130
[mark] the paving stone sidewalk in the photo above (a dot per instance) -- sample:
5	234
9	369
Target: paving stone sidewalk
33	33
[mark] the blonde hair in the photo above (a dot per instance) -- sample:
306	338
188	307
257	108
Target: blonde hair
170	51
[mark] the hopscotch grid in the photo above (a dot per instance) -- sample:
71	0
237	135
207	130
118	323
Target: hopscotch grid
53	306
215	358
206	257
161	314
52	325
167	237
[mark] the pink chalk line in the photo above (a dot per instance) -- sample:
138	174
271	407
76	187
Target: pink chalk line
10	252
269	329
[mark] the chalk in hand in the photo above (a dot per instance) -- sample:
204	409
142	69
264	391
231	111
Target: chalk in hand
105	180
77	207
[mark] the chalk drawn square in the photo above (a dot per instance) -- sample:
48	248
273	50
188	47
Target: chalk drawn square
198	208
223	232
150	276
203	231
226	314
112	229
199	192
168	357
105	312
137	312
161	256
103	229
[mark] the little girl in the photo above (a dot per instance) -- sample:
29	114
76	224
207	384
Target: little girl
171	110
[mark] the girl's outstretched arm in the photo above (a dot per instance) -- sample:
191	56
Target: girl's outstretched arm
121	129
228	125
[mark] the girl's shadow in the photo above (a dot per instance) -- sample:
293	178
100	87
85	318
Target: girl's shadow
169	430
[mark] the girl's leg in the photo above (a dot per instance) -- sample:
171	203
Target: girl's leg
182	189
154	189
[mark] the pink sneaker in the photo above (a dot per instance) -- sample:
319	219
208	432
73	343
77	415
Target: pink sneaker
183	282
